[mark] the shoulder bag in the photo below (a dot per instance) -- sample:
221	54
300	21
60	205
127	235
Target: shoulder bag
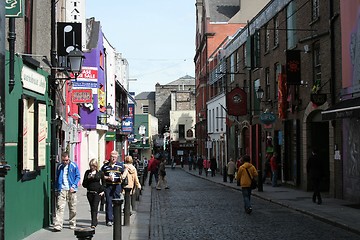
254	183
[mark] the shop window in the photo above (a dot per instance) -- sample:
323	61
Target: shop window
32	140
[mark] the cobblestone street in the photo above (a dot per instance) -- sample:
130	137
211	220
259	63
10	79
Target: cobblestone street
194	208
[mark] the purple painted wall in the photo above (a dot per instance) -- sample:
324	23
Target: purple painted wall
93	59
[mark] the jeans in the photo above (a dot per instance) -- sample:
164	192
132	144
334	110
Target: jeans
94	200
274	179
111	192
156	175
246	191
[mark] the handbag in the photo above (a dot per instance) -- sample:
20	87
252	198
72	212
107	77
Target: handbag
254	183
124	182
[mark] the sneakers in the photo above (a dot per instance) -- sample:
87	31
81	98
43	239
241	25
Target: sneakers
166	187
72	227
109	224
57	229
158	188
249	210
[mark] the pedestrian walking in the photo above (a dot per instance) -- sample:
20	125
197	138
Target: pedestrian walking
267	167
153	168
315	171
231	168
92	181
274	169
131	173
182	161
162	176
246	172
112	178
206	164
67	179
213	166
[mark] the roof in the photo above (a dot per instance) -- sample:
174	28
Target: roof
185	80
223	10
145	96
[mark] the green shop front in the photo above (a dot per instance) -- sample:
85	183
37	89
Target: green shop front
27	150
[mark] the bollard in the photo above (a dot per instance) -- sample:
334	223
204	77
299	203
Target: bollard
224	174
127	207
84	233
117	202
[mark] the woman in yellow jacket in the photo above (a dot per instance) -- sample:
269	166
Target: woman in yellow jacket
245	181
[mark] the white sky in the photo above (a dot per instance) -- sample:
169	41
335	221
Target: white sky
156	37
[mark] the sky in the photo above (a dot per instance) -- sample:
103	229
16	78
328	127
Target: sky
156	37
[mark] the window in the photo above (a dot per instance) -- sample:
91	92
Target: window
317	64
267	82
32	141
217	119
102	62
291	25
257	49
181	131
232	67
276	31
145	109
267	38
315	9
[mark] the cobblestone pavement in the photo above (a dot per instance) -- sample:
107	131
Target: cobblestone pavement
194	208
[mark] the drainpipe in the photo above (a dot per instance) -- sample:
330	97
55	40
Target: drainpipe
52	88
4	167
11	40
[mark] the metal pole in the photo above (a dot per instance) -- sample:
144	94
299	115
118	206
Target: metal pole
117	218
127	207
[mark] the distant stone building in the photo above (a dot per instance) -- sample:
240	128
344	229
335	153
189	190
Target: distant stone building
145	103
163	95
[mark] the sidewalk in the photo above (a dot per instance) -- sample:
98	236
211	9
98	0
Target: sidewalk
333	211
138	228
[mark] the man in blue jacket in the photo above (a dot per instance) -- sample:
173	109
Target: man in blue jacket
67	179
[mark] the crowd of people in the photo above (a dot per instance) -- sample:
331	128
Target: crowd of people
108	182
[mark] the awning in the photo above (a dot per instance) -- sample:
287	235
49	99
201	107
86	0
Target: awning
345	109
128	93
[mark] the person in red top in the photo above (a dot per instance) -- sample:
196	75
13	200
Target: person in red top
274	167
153	168
206	164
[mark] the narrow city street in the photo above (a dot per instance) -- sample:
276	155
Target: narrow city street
194	208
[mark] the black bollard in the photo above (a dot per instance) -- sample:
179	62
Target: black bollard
224	174
117	202
84	233
127	207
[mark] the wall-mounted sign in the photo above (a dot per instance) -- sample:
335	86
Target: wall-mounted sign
127	125
33	80
110	136
267	118
68	36
81	96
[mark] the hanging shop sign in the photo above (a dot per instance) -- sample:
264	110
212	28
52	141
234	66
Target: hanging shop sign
14	8
110	136
236	102
318	98
81	96
267	118
293	67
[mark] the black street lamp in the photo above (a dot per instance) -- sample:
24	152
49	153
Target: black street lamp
75	60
